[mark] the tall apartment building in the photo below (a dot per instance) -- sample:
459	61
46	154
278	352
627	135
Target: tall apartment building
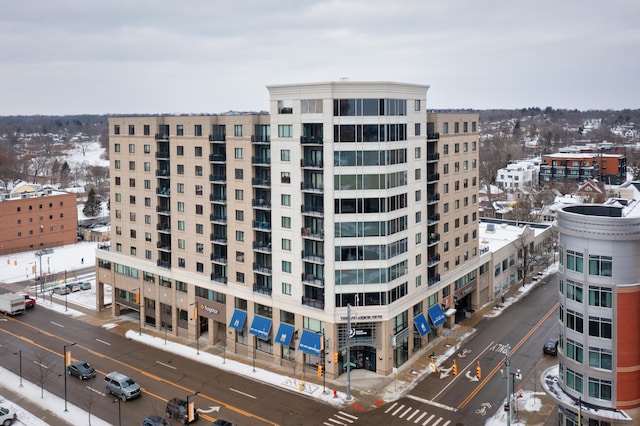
260	232
598	373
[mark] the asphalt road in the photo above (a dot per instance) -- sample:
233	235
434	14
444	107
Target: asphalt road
41	335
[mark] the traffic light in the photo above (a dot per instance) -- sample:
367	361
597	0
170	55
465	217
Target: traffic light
137	298
455	368
506	407
478	371
319	370
335	357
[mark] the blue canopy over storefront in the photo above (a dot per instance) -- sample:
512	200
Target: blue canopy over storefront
285	333
421	324
436	315
260	326
310	343
237	320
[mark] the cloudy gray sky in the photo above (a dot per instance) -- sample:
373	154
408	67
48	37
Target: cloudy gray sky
211	56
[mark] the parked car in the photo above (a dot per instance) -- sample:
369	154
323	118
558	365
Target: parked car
221	422
81	369
74	287
122	386
155	421
62	289
84	285
29	302
7	416
177	410
551	346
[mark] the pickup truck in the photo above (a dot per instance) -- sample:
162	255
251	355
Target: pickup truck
11	304
29	302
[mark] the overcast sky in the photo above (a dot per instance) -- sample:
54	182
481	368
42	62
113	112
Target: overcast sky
211	56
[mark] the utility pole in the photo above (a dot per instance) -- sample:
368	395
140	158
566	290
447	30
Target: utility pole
508	405
348	352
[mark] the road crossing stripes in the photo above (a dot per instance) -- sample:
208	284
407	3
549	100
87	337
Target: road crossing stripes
415	415
341	419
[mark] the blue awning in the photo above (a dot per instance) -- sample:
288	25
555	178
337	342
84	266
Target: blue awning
285	333
436	315
237	320
261	327
421	324
310	343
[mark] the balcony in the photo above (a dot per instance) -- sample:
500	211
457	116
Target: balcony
312	234
433	239
261	226
262	247
219	219
312	257
265	183
261	160
311	140
163	210
162	136
433	177
218	239
262	269
432	220
163	192
219	278
220	199
262	289
312	210
433	136
311	164
311	187
217	158
314	303
433	260
433	157
433	198
218	138
164	246
218	178
433	280
162	154
220	260
260	139
164	264
261	204
165	228
312	280
162	173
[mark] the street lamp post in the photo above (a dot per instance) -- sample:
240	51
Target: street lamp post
65	372
197	320
139	312
20	354
190	415
119	410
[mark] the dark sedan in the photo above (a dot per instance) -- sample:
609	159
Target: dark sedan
551	346
81	369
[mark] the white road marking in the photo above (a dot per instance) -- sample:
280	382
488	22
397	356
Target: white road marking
242	393
166	365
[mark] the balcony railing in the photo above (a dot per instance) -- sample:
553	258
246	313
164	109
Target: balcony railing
311	140
311	163
215	198
311	187
217	158
262	289
220	239
312	257
433	135
433	157
163	227
164	264
219	278
433	260
263	226
263	247
219	259
262	269
163	191
260	160
217	178
261	203
218	219
433	177
162	173
261	182
313	280
162	154
217	138
314	303
433	280
433	238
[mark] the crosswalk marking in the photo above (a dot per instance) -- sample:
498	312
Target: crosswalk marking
391	407
406	411
341	419
424	413
428	420
446	423
399	408
437	421
416	411
346	417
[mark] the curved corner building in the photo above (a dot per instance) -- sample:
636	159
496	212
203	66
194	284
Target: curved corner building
597	379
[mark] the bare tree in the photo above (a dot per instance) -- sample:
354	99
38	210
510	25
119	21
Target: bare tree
89	399
43	362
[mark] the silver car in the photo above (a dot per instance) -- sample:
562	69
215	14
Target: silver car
122	386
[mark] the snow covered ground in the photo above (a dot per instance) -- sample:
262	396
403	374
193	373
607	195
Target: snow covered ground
17	267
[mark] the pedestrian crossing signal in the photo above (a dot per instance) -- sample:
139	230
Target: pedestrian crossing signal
455	368
319	370
478	371
335	357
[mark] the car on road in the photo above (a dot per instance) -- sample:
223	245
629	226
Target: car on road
74	287
81	369
62	289
122	386
155	421
551	346
177	410
221	422
84	285
7	416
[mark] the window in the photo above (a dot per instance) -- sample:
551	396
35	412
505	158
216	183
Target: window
286	244
574	291
238	153
285	106
132	216
132	182
600	327
239	277
600	358
132	165
240	256
574	261
240	215
445	149
465	145
239	174
445	169
416	105
286	288
600	296
445	128
418	174
198	171
237	130
181	244
286	266
198	189
285	155
199	209
199	248
456	147
239	194
575	321
239	236
197	131
147	254
116	147
116	164
133	251
181	226
199	267
147	219
180	150
418	217
180	169
600	265
199	228
418	152
179	130
181	188
418	195
118	197
147	166
285	177
180	206
146	129
286	222
600	388
147	236
132	148
285	131
285	199
574	351
132	199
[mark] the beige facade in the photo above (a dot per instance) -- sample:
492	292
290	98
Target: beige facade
266	229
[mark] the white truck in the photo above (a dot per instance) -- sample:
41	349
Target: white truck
11	304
